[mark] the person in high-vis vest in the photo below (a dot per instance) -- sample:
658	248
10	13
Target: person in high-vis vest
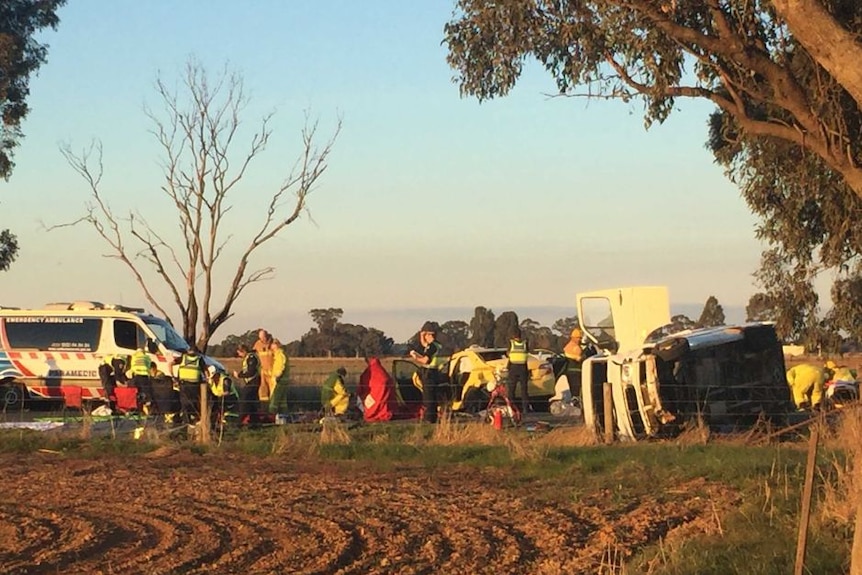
518	373
248	391
112	371
190	373
263	349
334	396
430	359
280	373
806	385
223	396
139	371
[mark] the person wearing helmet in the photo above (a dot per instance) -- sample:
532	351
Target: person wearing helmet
223	395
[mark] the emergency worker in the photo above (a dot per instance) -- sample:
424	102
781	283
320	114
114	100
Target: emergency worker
249	374
574	355
223	394
166	397
190	374
518	373
280	372
112	371
839	373
333	393
139	370
806	385
263	349
573	350
429	358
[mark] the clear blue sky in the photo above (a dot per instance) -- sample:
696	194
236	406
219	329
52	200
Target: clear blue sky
430	201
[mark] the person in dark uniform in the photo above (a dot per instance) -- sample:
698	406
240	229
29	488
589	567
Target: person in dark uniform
518	372
191	374
112	371
165	395
248	392
429	358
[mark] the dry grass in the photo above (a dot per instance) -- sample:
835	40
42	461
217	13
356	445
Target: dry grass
577	436
450	432
288	442
695	433
334	432
842	494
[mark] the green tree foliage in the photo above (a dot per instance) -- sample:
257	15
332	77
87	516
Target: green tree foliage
529	329
455	334
681	322
482	327
791	294
712	314
504	325
20	57
331	338
741	56
326	319
846	313
783	74
8	249
565	325
229	345
761	307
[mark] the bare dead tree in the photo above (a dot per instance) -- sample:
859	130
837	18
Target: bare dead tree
197	131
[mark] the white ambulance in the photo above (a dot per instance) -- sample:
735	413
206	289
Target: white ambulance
64	343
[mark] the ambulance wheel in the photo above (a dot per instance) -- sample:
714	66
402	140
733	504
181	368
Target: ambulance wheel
13	395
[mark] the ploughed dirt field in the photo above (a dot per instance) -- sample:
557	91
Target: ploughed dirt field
178	512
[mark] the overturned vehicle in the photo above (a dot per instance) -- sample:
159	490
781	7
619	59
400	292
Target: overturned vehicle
729	377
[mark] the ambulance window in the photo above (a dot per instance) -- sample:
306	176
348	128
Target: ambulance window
53	333
127	334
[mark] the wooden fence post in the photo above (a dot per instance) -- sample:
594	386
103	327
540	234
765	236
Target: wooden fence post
608	399
204	431
802	539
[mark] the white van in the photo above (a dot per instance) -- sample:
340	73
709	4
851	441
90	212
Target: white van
64	343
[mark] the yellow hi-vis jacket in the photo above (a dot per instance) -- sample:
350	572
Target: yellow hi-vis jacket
518	351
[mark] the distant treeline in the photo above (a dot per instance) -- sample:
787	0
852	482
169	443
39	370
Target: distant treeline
332	338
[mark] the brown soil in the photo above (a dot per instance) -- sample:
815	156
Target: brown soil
177	512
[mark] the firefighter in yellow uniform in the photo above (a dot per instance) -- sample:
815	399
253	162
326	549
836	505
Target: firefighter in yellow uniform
806	385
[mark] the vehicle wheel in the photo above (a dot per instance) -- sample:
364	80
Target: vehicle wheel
13	395
555	407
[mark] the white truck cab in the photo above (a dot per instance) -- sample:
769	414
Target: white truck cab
729	376
64	343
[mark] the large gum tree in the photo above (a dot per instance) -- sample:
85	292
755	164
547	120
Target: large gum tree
20	57
784	76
